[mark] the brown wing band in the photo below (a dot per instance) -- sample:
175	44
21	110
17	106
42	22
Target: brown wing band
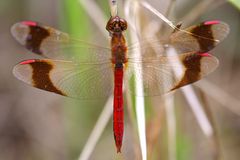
35	37
204	36
41	78
192	63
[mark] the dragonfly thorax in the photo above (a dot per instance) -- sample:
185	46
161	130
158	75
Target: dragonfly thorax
119	48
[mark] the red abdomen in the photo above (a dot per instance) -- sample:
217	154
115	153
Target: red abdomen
118	113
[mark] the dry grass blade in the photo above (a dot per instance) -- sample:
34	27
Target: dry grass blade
97	130
152	30
140	104
171	125
198	111
101	123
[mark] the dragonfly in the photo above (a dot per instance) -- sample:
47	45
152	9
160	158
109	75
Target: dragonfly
82	70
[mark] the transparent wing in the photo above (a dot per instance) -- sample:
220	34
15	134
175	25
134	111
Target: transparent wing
66	78
54	44
199	38
146	48
162	74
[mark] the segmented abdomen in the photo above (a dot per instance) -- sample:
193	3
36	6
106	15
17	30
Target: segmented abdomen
118	113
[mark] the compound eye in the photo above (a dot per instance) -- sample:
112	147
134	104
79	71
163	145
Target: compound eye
123	26
110	27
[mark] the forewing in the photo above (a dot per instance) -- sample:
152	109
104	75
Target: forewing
52	43
166	73
199	38
66	78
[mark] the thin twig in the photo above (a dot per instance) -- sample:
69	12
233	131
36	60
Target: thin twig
160	15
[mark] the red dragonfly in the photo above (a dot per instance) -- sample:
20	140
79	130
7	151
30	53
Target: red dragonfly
97	72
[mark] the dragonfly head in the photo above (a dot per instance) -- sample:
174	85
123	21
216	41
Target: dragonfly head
116	25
